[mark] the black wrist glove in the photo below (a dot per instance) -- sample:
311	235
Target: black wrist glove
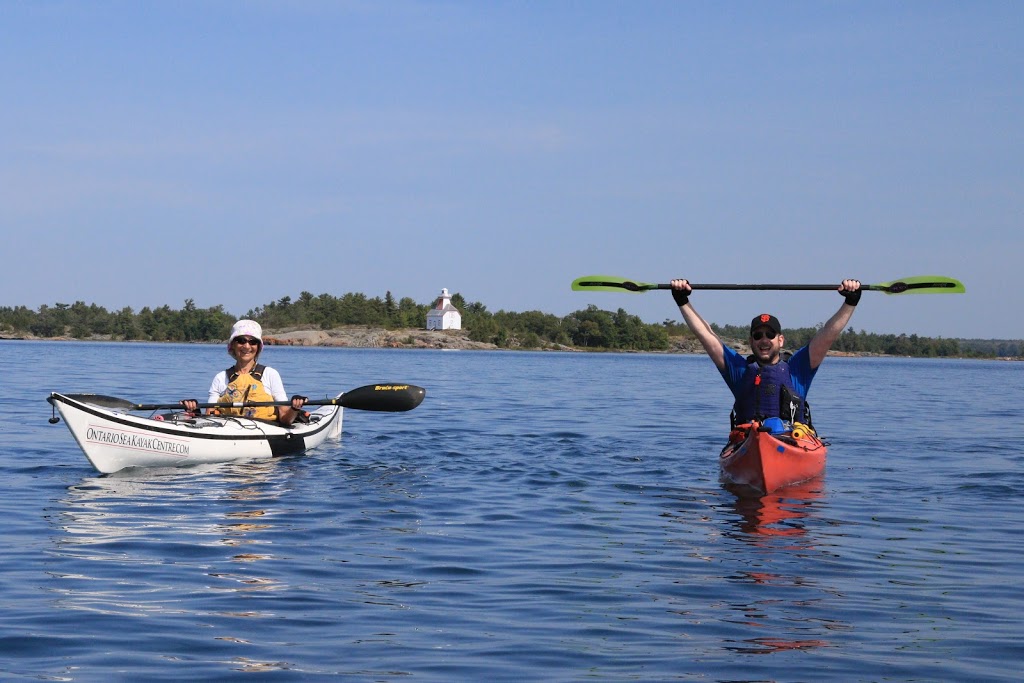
681	298
296	397
852	297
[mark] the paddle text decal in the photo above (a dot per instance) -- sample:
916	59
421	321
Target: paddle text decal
142	442
390	387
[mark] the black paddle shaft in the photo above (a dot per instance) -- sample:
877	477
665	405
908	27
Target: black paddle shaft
388	398
894	288
923	283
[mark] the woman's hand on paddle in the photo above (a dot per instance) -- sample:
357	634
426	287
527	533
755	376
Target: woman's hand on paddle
191	406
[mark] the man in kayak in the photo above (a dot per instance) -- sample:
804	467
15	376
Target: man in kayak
247	380
768	383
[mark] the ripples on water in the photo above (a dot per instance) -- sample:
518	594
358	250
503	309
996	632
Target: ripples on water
539	517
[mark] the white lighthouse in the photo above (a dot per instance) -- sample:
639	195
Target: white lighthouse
444	316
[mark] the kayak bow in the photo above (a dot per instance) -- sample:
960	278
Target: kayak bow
763	461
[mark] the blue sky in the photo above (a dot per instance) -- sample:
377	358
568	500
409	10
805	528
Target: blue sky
237	152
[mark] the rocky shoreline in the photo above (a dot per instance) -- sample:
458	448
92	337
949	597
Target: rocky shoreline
360	337
363	337
378	337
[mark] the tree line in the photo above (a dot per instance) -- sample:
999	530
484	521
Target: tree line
590	328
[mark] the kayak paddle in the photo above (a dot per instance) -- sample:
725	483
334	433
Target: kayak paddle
389	398
920	284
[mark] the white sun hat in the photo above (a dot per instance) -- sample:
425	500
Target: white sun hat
246	328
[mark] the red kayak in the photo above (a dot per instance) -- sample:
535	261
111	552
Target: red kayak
764	461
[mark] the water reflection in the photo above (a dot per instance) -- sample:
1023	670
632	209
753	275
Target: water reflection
128	542
781	606
783	513
764	646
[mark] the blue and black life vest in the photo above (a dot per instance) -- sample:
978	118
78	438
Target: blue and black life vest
768	391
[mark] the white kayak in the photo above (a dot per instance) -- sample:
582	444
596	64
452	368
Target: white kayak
114	439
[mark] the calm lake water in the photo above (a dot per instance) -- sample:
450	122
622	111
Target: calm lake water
541	516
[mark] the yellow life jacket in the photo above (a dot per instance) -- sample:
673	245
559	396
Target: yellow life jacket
247	388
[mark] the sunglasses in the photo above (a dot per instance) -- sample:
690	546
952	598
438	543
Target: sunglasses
759	335
251	341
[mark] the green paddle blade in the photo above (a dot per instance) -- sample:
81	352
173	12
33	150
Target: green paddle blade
921	284
609	283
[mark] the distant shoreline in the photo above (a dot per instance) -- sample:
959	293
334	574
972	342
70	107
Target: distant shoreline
365	337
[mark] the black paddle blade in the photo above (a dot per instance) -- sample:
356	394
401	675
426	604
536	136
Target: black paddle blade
389	398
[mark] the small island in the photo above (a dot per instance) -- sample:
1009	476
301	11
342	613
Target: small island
358	321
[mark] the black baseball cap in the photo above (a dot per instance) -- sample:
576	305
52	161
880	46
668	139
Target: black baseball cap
766	320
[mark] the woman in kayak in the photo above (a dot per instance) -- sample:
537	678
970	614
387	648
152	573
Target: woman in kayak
767	383
247	380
